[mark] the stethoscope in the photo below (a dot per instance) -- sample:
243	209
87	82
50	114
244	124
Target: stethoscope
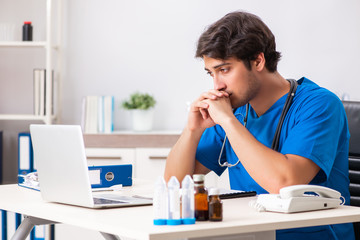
275	142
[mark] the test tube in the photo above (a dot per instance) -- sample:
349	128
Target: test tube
173	216
187	200
159	201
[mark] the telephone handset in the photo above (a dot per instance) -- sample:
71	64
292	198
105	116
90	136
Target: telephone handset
300	190
299	198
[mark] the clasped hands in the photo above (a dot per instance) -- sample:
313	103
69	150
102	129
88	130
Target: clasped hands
212	107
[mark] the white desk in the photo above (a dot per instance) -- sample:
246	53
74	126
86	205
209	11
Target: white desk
136	222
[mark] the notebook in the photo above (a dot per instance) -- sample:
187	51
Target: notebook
59	156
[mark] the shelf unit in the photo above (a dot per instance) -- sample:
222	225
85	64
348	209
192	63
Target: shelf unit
41	44
49	47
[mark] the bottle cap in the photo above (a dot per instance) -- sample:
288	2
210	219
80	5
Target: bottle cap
187	182
173	221
198	177
173	182
187	221
27	22
159	221
214	191
160	182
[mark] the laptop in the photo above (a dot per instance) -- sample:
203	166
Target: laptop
60	159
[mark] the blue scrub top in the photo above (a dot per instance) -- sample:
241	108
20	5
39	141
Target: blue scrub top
315	127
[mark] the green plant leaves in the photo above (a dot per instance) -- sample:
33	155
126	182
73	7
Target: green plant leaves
139	101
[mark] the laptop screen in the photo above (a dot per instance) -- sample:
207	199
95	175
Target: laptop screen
59	155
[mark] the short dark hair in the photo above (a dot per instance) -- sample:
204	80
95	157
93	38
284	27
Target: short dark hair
241	35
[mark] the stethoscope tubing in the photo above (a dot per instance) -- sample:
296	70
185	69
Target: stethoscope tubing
275	142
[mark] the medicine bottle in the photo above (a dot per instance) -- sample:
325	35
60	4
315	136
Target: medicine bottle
159	201
215	205
27	32
173	211
187	200
201	198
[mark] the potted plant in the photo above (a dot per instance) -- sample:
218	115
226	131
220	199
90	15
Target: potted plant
141	106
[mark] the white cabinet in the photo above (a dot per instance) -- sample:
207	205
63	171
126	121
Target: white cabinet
150	162
147	151
110	156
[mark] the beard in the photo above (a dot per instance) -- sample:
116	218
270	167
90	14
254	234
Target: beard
252	90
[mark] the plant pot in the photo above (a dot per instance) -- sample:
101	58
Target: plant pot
142	119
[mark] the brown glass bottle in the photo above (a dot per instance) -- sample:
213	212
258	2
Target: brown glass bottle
201	198
215	206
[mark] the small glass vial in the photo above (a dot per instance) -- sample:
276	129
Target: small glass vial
173	211
215	205
27	31
201	198
159	201
187	200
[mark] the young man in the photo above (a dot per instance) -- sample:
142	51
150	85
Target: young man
239	53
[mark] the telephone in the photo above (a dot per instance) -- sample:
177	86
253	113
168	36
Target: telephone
298	198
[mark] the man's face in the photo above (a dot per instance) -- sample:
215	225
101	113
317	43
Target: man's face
233	77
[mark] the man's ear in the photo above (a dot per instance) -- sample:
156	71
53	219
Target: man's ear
259	62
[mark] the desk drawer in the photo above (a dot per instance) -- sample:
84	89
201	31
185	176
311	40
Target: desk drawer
150	162
110	156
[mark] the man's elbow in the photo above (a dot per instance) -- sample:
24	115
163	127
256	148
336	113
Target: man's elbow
285	181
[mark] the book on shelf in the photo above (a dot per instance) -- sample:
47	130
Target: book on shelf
40	92
109	103
39	232
25	154
98	114
37	91
91	114
11	222
27	173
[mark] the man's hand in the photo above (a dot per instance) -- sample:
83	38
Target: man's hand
199	117
219	109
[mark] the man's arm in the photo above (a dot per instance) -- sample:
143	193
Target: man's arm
181	160
270	169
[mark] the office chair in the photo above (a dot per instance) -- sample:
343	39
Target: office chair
352	110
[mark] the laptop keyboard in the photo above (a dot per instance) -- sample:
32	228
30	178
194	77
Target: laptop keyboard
106	201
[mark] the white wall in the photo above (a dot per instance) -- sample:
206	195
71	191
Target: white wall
118	47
